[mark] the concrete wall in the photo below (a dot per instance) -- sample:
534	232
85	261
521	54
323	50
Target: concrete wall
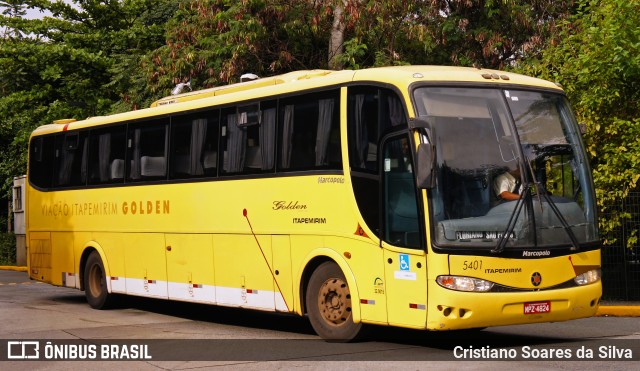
19	219
21	250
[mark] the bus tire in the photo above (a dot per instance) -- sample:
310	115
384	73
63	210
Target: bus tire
328	302
95	282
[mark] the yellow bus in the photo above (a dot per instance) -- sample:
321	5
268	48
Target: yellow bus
351	197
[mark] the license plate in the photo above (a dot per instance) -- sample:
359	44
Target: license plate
537	307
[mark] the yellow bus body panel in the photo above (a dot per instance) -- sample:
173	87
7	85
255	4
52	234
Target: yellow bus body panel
518	272
471	309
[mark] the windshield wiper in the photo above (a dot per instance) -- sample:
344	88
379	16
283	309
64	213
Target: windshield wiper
502	242
563	221
541	191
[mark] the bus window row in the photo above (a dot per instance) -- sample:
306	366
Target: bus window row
288	134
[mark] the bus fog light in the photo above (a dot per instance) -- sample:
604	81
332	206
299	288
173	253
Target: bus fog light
459	283
588	277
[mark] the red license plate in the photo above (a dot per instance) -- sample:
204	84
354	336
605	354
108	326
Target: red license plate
537	307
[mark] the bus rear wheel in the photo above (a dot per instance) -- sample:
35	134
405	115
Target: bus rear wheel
329	304
95	282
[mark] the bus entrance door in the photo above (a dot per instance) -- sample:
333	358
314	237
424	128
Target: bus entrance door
405	267
406	287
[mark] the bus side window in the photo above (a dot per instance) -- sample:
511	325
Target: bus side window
309	133
248	134
400	197
106	155
260	123
233	141
41	161
371	111
267	136
211	143
146	151
194	144
70	159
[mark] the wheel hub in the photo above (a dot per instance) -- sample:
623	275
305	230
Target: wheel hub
334	301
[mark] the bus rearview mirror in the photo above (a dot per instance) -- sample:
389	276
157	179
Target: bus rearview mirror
425	160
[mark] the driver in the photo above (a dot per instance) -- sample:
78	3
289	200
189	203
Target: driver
507	185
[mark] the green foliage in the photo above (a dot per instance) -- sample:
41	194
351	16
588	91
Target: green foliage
596	58
383	33
213	42
353	50
73	66
7	249
487	33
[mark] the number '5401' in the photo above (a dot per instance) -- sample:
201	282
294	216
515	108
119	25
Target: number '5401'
472	265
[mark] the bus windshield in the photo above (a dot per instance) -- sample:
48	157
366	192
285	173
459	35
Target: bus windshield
511	169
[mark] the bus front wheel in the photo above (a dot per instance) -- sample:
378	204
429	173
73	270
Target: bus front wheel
95	282
329	304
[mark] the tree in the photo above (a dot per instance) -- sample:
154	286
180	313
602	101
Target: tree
68	65
487	33
11	9
382	34
596	58
490	33
336	39
213	42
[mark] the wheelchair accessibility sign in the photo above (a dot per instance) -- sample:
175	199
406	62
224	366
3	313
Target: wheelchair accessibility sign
404	262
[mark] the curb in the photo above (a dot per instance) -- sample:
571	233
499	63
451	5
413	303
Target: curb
13	268
618	311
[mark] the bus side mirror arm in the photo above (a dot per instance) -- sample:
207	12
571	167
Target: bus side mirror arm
425	165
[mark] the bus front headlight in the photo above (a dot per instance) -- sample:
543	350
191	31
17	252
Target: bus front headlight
588	277
460	283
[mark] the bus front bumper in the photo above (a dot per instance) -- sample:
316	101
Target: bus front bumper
455	310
